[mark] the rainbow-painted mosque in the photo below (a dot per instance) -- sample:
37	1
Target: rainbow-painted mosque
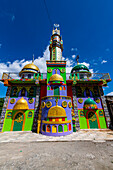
55	103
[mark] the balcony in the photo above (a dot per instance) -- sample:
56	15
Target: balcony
74	77
88	77
15	76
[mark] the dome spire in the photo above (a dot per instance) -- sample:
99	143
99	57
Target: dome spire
33	59
77	59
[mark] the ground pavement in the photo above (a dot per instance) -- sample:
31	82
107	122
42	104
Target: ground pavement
82	150
81	135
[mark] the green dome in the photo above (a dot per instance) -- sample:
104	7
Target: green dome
90	104
89	101
80	68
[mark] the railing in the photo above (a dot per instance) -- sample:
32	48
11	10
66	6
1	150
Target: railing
76	76
88	76
16	76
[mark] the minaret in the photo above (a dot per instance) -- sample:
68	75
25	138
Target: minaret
56	44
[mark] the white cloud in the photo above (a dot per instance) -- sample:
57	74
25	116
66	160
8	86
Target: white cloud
86	64
103	61
73	56
110	94
17	65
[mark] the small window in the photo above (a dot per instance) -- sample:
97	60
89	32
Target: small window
23	92
29	76
43	127
14	93
31	91
48	128
60	128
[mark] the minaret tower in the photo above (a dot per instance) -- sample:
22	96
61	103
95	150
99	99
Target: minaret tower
56	44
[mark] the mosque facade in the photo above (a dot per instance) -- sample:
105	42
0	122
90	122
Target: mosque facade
55	103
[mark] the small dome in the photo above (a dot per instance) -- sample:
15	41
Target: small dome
56	111
80	68
90	104
21	104
29	68
56	77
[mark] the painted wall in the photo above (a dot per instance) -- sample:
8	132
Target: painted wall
8	120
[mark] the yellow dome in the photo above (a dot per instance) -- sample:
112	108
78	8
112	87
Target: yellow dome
56	77
21	104
31	66
56	111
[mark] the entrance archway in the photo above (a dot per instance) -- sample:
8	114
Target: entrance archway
92	120
18	122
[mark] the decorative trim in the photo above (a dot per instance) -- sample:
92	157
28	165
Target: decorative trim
9	114
30	114
12	101
97	100
49	70
80	100
50	122
69	104
101	113
31	100
48	104
43	104
64	104
62	70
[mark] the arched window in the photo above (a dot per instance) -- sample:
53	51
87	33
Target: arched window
14	93
48	128
87	92
29	76
69	127
23	91
65	128
60	129
60	87
31	91
23	76
64	88
96	92
79	92
43	127
54	129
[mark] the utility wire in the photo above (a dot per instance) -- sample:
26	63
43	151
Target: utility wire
48	13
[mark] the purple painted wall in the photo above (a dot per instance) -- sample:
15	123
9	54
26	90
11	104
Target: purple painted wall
31	106
80	105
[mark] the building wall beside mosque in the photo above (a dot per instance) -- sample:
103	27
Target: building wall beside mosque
22	118
91	115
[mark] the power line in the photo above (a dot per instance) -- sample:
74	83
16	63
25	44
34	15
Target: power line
48	13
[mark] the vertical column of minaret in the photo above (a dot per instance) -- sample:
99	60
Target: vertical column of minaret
56	46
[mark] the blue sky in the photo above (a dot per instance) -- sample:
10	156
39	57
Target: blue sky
86	29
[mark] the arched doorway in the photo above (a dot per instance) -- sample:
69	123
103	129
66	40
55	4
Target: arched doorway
56	90
18	122
54	129
92	120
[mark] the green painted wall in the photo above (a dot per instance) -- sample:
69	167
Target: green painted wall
28	121
62	74
83	121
